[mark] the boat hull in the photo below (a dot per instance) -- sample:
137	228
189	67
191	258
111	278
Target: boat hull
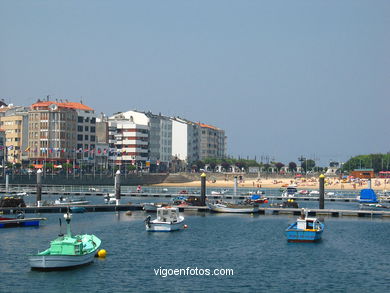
239	210
297	235
50	262
303	236
14	222
156	226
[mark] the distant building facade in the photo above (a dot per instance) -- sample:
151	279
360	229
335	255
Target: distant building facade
128	141
52	131
15	125
212	142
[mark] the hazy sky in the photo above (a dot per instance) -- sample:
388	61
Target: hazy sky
283	78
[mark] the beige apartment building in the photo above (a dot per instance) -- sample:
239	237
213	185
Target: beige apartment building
52	132
15	126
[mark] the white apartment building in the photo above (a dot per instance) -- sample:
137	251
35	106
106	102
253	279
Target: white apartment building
185	140
128	141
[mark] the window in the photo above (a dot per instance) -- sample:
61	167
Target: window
80	137
79	128
86	128
92	138
80	119
86	137
87	119
93	120
93	129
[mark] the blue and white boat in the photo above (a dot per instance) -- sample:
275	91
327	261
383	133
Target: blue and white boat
305	229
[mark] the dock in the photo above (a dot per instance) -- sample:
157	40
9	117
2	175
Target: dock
173	195
262	211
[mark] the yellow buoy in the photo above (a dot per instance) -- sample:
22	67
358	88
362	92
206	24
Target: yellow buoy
102	253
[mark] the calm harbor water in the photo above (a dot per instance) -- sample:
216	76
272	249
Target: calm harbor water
354	255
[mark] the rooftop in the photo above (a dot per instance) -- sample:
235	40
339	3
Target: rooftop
70	105
207	126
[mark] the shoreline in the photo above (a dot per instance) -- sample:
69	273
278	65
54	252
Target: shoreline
300	183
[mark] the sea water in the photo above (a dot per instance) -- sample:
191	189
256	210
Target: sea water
353	255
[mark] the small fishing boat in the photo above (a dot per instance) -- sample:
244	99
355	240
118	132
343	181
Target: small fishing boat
77	209
305	229
67	201
221	192
109	198
19	221
289	203
227	207
168	219
152	206
256	198
66	251
290	192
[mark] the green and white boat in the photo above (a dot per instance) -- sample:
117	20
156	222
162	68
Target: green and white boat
66	251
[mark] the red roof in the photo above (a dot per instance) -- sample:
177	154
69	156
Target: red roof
207	126
71	105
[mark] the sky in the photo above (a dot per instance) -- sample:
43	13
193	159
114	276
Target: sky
283	78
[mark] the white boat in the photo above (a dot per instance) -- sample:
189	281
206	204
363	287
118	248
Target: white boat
314	193
109	198
67	201
225	207
222	192
290	192
168	219
151	206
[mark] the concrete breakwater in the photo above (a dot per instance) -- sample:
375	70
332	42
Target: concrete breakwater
96	179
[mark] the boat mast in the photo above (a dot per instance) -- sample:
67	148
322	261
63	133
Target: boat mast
67	217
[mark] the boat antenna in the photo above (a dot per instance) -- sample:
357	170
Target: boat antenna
60	228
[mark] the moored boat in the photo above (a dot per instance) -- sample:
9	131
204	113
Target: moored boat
168	219
19	221
226	207
305	229
109	198
152	206
368	200
66	251
63	201
290	192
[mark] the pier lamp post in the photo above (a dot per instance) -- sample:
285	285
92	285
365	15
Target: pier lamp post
117	186
39	187
322	191
203	189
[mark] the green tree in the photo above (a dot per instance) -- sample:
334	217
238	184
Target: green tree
292	166
279	166
308	165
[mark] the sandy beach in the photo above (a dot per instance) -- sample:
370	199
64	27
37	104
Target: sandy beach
301	183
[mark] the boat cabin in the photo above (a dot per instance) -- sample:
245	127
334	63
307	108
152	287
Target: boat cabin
308	224
166	214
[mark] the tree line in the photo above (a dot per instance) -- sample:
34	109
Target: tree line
378	162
